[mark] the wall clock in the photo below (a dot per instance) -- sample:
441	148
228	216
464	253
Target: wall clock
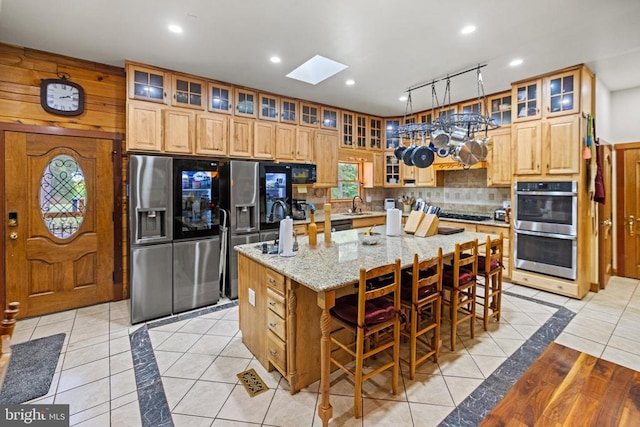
61	96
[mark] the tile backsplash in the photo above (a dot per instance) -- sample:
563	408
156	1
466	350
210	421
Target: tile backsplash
464	191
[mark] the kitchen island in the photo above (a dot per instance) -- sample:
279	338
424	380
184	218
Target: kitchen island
284	302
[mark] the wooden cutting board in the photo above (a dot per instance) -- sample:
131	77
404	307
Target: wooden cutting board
428	226
415	217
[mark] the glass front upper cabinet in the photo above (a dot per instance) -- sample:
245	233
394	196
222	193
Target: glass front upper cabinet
268	107
220	98
188	92
309	114
375	134
527	96
147	84
329	118
562	93
500	108
288	110
245	102
391	137
361	131
348	124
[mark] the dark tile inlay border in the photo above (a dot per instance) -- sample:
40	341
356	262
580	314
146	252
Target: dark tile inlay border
154	409
484	398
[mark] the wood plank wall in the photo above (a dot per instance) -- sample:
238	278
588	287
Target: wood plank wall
21	70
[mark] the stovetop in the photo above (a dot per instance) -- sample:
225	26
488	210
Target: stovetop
444	215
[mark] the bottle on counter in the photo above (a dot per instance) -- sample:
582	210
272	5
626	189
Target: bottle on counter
313	230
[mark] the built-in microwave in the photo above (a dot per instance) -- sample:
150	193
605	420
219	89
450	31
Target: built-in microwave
303	173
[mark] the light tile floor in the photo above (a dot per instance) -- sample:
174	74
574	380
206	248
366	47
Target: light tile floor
200	357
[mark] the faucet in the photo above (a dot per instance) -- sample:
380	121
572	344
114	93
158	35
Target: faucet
282	204
353	203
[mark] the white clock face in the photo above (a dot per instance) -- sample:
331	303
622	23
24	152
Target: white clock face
63	97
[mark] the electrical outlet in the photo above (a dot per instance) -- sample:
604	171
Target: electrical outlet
368	199
252	297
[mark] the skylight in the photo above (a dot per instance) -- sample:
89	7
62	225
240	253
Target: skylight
316	70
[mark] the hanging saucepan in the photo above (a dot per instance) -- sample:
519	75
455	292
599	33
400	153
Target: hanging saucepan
422	157
469	152
484	148
398	151
458	134
443	152
406	155
439	138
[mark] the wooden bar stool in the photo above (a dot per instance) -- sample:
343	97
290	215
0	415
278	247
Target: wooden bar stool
422	300
459	287
373	314
490	268
8	323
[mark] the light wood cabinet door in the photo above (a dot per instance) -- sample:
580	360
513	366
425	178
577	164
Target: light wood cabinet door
348	129
147	84
329	118
500	108
220	98
391	138
408	174
240	137
391	170
361	131
427	177
268	107
499	172
325	154
264	140
288	111
188	92
375	134
309	114
212	134
178	129
527	97
246	102
304	145
527	148
285	141
562	94
144	126
378	169
562	145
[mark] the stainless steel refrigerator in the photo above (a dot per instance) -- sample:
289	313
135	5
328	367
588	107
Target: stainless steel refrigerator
174	242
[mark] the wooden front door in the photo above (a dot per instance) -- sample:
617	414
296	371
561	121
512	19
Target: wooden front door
58	221
605	234
628	210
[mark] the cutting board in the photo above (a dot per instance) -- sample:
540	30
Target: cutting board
428	226
449	230
415	217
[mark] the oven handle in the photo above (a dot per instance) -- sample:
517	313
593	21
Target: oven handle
550	235
546	193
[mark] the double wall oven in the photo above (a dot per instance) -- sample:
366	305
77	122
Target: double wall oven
545	227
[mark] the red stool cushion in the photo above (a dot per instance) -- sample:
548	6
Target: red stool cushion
407	284
465	276
376	310
482	262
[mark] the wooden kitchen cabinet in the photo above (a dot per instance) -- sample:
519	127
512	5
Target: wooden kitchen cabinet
220	98
178	130
240	137
499	172
212	134
246	102
562	93
408	174
325	155
500	109
309	114
378	170
527	97
268	107
375	133
391	138
527	148
188	92
304	145
288	111
361	132
264	140
348	129
147	83
392	170
428	177
144	126
329	118
285	142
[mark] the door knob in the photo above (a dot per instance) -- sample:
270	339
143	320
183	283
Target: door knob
630	222
13	235
606	223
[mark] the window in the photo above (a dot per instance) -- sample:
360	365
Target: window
348	181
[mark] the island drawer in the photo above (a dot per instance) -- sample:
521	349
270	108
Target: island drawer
277	352
276	324
275	280
275	302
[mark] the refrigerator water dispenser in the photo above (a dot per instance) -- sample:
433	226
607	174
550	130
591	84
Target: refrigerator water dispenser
246	219
151	225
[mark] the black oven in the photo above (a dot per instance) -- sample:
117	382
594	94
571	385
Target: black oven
545	227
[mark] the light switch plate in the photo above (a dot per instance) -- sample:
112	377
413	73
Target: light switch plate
252	297
368	198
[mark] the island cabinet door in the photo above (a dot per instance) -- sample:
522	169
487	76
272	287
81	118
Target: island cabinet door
252	306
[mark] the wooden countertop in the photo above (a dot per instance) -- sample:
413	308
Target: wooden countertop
329	267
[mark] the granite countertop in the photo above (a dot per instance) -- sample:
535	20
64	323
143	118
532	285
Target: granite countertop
328	267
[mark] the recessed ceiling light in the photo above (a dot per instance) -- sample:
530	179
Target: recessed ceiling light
175	28
316	70
403	98
350	82
468	29
515	62
275	59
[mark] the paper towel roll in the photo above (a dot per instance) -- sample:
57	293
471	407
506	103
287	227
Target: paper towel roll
394	222
285	238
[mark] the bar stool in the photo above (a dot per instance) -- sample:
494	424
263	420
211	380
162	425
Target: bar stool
371	314
490	268
422	300
459	283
